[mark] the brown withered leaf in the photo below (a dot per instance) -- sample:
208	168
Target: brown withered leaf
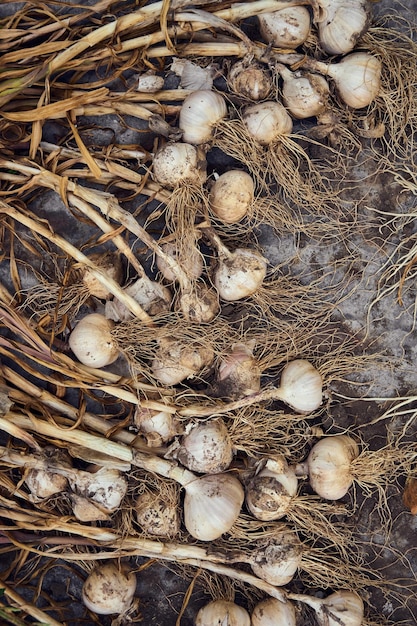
410	494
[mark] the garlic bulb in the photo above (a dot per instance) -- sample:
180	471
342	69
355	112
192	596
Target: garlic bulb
149	82
301	386
177	360
341	23
111	263
109	589
86	510
240	274
238	373
92	342
200	113
193	263
249	80
222	613
273	612
267	121
277	558
329	466
358	78
157	515
286	28
157	426
341	608
271	490
212	504
177	163
44	483
153	297
105	487
206	447
231	196
304	94
198	302
193	76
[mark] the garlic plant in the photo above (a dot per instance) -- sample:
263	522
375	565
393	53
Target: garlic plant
176	360
200	112
104	487
224	613
92	342
44	483
273	612
249	80
193	261
341	23
267	122
231	196
287	28
304	94
109	589
271	489
341	608
157	508
237	373
158	427
153	297
179	163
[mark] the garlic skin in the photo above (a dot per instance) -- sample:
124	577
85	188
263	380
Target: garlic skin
240	274
92	342
201	111
304	94
206	447
105	487
224	613
329	466
157	516
193	264
267	122
177	360
231	196
193	76
86	510
358	78
44	483
250	81
273	612
286	28
177	163
109	589
301	386
341	23
212	504
270	491
277	558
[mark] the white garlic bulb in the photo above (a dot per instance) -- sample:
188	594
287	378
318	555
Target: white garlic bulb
238	373
222	613
212	504
109	589
358	78
199	302
304	94
44	483
341	608
341	23
86	510
157	515
201	111
301	386
329	466
277	558
249	80
177	360
149	82
273	612
267	121
231	196
177	163
105	487
286	28
240	274
270	491
153	297
92	341
111	263
192	262
157	426
206	447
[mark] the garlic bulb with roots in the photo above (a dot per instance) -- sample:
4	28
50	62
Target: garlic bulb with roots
267	121
158	427
105	487
192	262
238	372
178	163
206	447
286	28
329	466
111	263
304	94
179	359
341	23
44	483
224	613
231	196
271	489
301	386
92	341
250	80
237	274
109	589
157	509
273	612
200	112
341	608
153	297
276	558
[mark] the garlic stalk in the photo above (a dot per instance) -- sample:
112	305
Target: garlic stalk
341	23
341	608
222	612
109	589
238	274
304	94
273	612
286	28
201	111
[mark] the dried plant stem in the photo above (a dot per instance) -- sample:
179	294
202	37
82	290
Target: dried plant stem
40	616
